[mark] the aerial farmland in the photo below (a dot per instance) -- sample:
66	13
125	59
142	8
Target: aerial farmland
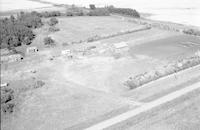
79	71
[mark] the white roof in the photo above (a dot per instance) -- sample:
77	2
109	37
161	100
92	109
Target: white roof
64	52
120	45
32	47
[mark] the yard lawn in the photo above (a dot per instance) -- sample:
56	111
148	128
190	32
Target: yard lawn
81	28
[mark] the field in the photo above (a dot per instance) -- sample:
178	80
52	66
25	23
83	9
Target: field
91	83
74	29
172	48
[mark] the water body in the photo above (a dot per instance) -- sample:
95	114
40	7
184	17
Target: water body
10	5
178	11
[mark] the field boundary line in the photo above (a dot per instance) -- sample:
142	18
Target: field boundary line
148	106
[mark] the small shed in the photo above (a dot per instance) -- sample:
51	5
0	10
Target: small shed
11	58
67	52
32	49
4	84
120	45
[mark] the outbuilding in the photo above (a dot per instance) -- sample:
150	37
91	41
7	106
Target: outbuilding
11	58
121	47
67	53
32	49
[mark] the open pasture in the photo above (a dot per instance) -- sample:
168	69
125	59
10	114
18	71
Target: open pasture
74	29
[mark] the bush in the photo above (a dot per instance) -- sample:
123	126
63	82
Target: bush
138	80
39	84
53	21
92	6
75	11
98	12
7	95
30	20
53	29
124	11
69	13
192	32
49	14
49	41
7	108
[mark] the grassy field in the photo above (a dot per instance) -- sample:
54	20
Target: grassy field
81	28
171	48
148	50
91	83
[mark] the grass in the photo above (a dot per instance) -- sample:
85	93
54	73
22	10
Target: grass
81	28
169	48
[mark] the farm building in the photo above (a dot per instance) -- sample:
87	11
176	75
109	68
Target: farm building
11	57
67	53
122	46
4	84
32	49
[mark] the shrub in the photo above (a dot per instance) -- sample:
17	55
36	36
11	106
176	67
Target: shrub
131	84
124	11
69	13
7	108
98	12
49	14
138	80
53	21
75	11
92	6
192	32
53	29
49	41
39	84
7	95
